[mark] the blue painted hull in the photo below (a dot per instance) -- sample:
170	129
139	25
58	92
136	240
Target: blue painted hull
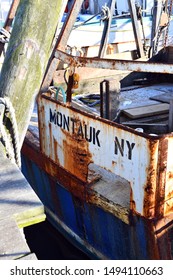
97	232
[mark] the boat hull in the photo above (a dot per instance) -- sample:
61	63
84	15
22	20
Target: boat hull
105	186
97	231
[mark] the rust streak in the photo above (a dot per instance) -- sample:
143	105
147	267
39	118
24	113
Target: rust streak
132	202
150	187
162	165
77	156
55	171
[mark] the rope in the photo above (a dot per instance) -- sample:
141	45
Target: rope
4	36
105	13
63	93
13	154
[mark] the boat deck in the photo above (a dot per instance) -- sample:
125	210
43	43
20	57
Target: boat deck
143	105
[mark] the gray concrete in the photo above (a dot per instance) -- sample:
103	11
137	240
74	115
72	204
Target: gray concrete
19	207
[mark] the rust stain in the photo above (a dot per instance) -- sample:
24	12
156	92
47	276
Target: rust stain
55	144
150	237
152	246
76	156
50	138
32	151
132	201
162	165
150	186
41	112
169	205
163	227
170	195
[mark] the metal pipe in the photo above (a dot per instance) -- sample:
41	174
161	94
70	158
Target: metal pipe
113	64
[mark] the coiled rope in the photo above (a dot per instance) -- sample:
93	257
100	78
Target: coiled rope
11	143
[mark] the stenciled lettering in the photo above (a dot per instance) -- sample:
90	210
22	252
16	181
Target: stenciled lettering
66	122
59	119
130	148
122	146
73	126
52	116
87	132
95	137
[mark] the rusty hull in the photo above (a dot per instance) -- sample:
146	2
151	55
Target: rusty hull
72	140
156	230
142	160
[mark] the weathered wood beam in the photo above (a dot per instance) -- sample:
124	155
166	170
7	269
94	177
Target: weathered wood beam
170	120
27	55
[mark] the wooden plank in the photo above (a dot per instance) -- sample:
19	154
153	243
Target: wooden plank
110	190
12	243
166	97
150	119
156	128
144	111
170	122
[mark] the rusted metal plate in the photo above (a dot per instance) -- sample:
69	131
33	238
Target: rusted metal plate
168	206
115	64
86	220
74	139
154	236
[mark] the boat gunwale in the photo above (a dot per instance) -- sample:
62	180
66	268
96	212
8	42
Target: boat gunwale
103	120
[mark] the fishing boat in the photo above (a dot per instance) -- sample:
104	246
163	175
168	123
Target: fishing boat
101	162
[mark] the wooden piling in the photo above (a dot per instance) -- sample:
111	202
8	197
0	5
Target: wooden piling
27	56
